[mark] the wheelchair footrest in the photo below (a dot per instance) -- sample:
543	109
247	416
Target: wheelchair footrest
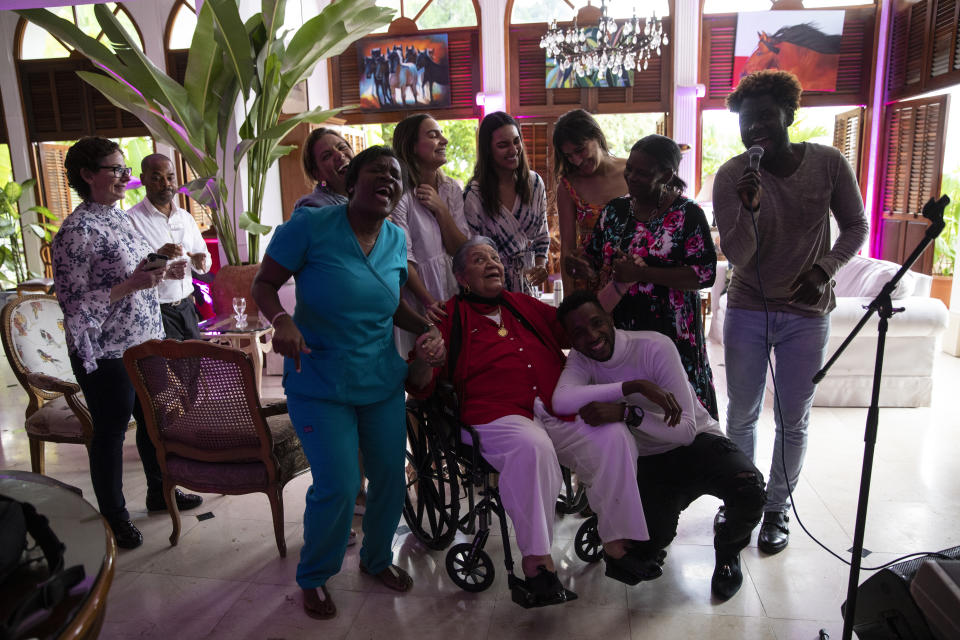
524	596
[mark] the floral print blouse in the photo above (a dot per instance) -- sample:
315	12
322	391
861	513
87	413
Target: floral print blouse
677	237
95	249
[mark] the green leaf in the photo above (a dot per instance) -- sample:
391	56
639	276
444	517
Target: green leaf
204	63
71	34
7	228
232	37
241	151
13	191
44	212
247	223
273	14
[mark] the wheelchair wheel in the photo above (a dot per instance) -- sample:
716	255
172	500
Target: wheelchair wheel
432	502
471	574
573	499
587	544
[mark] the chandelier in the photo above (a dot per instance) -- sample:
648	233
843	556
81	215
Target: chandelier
605	47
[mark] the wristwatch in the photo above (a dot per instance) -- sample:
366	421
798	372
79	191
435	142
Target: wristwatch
633	415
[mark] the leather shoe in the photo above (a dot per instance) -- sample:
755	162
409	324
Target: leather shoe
126	534
185	501
727	577
631	568
774	534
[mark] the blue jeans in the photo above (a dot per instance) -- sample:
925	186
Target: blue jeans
331	434
799	344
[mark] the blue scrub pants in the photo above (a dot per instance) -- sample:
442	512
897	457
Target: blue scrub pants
331	434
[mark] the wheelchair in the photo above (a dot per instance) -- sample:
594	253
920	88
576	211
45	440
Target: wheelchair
443	472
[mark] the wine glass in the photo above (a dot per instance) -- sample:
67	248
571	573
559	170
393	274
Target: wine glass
239	310
529	264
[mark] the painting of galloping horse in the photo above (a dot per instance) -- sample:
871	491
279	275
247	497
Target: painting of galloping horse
805	43
404	72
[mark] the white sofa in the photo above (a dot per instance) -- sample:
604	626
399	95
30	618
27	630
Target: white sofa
912	336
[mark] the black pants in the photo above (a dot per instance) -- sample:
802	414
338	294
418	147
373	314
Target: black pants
111	399
710	465
180	320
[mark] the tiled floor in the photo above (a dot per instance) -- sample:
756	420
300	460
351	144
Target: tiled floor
226	580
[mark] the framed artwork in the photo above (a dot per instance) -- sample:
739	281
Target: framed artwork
805	43
404	72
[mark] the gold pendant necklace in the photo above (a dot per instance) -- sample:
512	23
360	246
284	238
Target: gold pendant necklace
501	330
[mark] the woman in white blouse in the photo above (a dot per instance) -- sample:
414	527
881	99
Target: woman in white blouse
431	214
107	291
506	202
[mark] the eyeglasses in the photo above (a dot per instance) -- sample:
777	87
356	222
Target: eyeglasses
118	171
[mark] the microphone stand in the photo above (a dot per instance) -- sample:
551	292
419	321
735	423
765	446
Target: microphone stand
883	306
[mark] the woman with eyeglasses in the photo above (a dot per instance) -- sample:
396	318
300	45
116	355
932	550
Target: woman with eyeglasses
106	288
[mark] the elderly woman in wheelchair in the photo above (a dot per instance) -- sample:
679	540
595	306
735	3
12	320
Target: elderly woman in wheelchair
503	360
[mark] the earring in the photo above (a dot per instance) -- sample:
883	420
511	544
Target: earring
466	288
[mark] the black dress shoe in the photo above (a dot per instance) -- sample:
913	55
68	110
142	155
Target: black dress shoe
541	590
126	534
719	519
727	577
632	568
185	501
774	534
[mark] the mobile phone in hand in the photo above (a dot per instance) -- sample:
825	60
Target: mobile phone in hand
155	261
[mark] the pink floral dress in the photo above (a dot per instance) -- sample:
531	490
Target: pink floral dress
680	236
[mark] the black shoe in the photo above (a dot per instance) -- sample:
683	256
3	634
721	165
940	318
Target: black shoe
632	568
774	534
542	590
719	519
659	557
727	578
126	534
185	501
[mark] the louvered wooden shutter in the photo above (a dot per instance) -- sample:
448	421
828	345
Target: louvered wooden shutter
924	52
536	143
911	173
186	174
55	192
4	138
945	55
847	128
463	55
853	69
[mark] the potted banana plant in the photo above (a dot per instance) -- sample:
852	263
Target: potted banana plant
13	266
226	114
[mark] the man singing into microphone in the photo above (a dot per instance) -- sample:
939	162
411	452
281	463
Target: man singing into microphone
775	231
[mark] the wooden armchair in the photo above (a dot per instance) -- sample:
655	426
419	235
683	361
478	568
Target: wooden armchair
36	348
210	430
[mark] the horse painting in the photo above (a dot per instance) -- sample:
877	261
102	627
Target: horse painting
801	49
403	76
434	73
377	67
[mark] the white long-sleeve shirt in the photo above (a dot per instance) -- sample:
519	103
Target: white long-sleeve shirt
158	230
637	355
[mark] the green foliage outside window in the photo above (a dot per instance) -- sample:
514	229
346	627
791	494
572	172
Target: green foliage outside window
461	149
945	247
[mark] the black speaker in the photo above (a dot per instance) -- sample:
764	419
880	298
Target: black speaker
885	608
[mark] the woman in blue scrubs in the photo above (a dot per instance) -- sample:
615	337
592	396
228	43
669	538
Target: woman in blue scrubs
342	374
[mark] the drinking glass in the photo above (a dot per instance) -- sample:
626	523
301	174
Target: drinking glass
239	309
529	263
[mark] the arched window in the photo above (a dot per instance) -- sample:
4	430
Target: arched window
530	11
434	14
37	44
182	24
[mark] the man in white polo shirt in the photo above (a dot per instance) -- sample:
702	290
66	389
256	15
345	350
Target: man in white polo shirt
174	233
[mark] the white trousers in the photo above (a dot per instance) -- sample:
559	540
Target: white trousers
528	454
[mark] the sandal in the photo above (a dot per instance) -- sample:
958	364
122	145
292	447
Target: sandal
393	577
315	607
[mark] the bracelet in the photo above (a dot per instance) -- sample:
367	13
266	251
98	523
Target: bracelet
426	328
273	320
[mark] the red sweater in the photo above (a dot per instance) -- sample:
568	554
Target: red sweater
498	376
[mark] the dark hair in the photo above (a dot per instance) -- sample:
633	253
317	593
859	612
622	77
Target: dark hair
364	158
782	86
306	154
575	126
405	137
485	171
86	153
574	301
666	153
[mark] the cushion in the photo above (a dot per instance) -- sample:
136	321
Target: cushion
39	338
55	418
864	277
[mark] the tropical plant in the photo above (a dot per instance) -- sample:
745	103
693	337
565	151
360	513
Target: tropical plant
229	59
945	247
13	267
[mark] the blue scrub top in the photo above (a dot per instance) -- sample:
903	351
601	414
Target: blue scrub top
345	306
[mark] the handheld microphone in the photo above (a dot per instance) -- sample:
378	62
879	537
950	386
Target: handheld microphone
755	152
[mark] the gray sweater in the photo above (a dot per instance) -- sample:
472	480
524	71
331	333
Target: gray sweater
794	226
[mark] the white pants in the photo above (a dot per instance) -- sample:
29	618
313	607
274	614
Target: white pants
528	454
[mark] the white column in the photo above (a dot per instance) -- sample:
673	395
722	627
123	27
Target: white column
685	43
493	59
